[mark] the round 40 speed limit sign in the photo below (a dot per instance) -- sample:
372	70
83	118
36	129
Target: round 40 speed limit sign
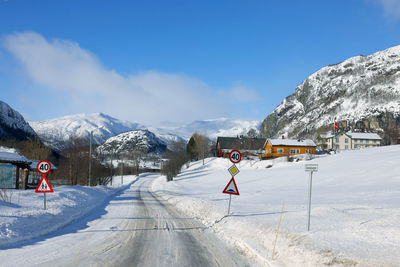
235	156
43	167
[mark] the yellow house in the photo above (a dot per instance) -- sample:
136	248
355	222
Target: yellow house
274	148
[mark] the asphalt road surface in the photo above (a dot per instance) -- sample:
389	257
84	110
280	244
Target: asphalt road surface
134	229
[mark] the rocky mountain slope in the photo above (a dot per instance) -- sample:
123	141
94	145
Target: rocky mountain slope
139	140
58	132
361	93
13	124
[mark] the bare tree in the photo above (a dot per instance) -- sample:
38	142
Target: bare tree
177	156
391	135
201	145
137	155
75	161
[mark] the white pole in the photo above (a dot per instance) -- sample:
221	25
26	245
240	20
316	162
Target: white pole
229	206
309	201
90	157
122	172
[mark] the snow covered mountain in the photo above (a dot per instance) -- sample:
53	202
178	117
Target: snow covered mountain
213	128
142	140
56	133
361	93
13	124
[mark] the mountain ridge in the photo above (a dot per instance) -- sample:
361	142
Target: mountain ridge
13	124
362	93
57	132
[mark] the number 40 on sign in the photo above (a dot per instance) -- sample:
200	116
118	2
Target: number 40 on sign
44	186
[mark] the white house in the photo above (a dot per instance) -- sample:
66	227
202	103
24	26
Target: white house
349	140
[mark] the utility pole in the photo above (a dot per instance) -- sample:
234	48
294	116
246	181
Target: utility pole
90	158
112	166
122	169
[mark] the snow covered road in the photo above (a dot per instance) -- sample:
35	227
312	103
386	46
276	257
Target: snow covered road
133	229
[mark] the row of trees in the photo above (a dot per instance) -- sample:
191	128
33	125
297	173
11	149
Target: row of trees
72	163
180	154
75	161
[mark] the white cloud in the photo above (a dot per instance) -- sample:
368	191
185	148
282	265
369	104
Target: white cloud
390	7
149	97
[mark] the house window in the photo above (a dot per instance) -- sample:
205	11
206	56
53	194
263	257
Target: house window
346	147
280	150
337	140
367	141
294	151
346	140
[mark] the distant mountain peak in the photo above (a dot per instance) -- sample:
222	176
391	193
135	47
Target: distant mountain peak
57	132
143	140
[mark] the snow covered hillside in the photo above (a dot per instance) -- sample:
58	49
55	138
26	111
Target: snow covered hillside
57	132
355	207
13	125
363	92
144	140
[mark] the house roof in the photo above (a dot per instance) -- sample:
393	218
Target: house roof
292	142
9	157
327	135
244	143
370	136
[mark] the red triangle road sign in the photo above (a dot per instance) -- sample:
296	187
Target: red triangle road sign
231	188
44	186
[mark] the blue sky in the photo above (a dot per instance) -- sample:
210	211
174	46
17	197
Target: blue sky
153	61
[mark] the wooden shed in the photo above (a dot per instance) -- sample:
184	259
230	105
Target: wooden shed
248	146
13	166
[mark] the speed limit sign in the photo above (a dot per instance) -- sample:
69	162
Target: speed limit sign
43	167
235	156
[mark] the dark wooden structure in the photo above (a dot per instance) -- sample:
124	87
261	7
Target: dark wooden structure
248	146
21	164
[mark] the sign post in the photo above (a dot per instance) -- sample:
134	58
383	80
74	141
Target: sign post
310	168
231	189
235	157
44	167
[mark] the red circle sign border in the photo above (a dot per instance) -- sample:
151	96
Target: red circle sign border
240	156
37	167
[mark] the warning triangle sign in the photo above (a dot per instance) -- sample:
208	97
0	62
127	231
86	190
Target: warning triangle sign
231	188
44	186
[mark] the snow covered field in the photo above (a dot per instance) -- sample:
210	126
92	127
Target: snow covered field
24	218
355	218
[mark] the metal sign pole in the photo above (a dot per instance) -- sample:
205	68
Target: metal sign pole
44	201
229	206
309	201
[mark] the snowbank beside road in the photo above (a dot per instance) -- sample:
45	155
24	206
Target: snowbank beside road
355	207
24	218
